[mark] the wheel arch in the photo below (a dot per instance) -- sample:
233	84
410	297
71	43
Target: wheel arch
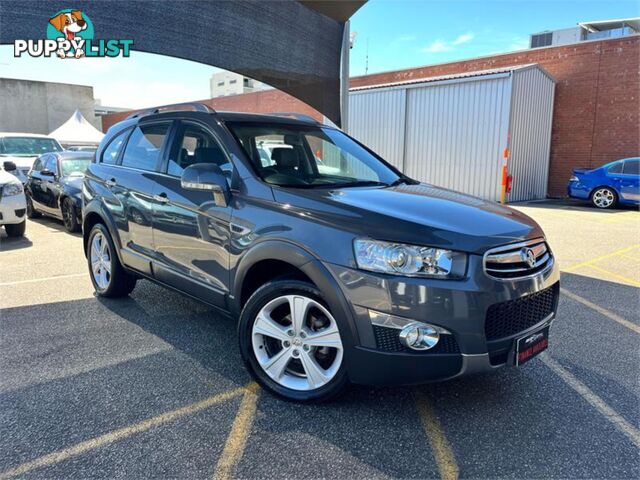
306	264
612	188
92	215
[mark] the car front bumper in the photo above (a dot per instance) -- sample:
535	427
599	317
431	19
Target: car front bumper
462	307
12	209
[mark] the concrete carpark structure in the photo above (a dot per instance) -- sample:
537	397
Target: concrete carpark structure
152	386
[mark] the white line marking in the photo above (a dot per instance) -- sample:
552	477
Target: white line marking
603	311
594	400
44	279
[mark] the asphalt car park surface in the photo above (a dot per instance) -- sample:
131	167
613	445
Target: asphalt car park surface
153	386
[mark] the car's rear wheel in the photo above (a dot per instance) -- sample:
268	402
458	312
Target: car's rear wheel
69	215
31	212
291	342
604	197
107	274
16	229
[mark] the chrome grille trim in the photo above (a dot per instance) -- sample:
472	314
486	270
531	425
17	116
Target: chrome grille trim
506	262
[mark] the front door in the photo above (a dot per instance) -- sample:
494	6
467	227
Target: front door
630	180
190	232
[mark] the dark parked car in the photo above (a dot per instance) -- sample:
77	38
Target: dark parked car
54	187
351	272
612	184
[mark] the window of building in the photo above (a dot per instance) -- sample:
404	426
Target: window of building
220	84
231	82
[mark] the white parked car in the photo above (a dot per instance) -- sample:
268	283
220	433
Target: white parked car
23	148
13	205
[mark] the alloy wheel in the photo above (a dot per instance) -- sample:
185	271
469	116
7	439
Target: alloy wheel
603	198
67	215
100	261
297	343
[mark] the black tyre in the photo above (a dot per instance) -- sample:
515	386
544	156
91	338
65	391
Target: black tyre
16	229
291	343
31	212
69	215
604	197
108	276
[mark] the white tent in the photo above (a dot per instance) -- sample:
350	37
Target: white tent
77	131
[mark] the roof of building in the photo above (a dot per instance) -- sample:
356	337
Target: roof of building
455	76
600	25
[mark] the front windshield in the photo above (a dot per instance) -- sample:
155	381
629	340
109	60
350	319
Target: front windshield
308	157
74	166
27	146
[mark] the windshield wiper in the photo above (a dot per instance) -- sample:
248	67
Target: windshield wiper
403	180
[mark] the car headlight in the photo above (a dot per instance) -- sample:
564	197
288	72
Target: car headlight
410	260
12	189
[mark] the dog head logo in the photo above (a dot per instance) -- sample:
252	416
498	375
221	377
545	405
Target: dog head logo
69	24
71	28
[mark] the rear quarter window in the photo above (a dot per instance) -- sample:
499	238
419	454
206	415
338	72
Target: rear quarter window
615	168
112	151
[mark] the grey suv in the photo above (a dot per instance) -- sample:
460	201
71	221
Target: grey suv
339	267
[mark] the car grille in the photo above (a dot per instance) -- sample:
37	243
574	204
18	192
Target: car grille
508	318
511	261
388	340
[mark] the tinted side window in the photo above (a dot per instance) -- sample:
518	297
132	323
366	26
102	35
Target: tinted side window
196	145
144	147
51	164
631	167
110	154
37	166
617	168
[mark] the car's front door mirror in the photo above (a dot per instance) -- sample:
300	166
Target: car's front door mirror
207	176
47	173
9	166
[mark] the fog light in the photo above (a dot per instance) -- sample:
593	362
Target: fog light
419	336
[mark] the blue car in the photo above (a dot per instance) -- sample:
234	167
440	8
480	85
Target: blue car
614	183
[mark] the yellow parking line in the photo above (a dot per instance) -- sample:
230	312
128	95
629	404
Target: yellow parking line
594	400
240	430
598	259
602	311
120	434
440	445
615	275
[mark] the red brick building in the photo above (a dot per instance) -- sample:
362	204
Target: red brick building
596	115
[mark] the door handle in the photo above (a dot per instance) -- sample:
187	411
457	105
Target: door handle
161	198
111	182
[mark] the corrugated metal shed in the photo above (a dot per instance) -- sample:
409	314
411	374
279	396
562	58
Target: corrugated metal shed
452	130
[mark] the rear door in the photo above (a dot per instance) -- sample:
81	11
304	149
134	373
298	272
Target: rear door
35	182
191	233
133	183
630	180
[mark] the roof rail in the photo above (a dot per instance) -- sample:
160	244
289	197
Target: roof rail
194	106
298	116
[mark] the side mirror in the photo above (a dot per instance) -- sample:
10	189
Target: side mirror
47	173
9	166
207	176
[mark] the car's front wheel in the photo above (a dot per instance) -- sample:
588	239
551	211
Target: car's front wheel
291	342
31	211
69	215
108	276
604	197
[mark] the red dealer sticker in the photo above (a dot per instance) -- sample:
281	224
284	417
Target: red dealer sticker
531	345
